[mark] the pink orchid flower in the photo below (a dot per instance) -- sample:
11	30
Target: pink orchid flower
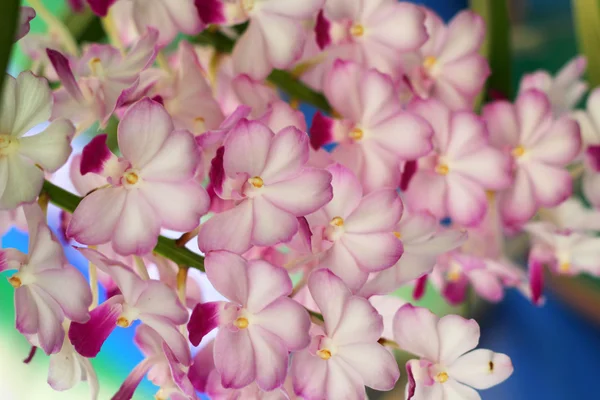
68	368
259	325
452	181
358	231
161	366
275	35
26	14
156	171
187	95
447	368
152	302
102	80
375	133
456	272
344	355
375	33
449	67
573	215
423	242
541	148
12	218
271	189
168	17
24	158
565	90
47	288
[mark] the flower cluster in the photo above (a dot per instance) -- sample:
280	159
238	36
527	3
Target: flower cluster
306	230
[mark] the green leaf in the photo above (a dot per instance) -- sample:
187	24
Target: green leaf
497	46
587	23
166	247
9	17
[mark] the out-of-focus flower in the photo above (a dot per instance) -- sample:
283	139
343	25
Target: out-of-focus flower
447	368
344	355
26	14
151	186
27	103
541	148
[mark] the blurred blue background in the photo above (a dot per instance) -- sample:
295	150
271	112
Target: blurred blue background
554	348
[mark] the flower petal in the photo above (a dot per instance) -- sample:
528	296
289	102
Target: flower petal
234	358
230	230
309	373
347	192
376	366
344	265
138	227
373	251
378	211
88	338
64	371
247	148
33	103
360	323
415	331
69	289
177	159
481	368
266	284
287	320
50	148
330	294
171	335
23	181
287	154
133	380
271	358
457	336
272	225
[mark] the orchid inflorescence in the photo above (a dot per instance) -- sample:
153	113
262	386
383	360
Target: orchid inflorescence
305	235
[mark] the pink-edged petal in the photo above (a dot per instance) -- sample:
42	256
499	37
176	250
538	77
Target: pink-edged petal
138	228
302	194
171	335
143	131
283	37
551	185
502	124
228	273
266	283
373	251
376	366
133	380
50	332
360	323
481	369
179	206
454	390
403	21
406	135
466	33
343	382
426	192
331	294
309	373
158	299
26	14
234	358
88	338
415	330
486	166
487	285
287	154
343	264
272	225
69	289
466	201
96	217
230	230
26	310
202	367
455	291
95	156
247	148
379	211
176	160
533	111
560	145
457	336
321	131
342	89
347	192
518	203
286	319
271	358
65	74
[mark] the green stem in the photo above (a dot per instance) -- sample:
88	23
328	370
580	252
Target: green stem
587	23
165	247
284	80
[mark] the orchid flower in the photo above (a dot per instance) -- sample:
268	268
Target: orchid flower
271	189
26	14
344	355
449	67
375	33
161	366
102	80
541	147
375	133
27	103
447	368
452	180
47	288
275	35
156	170
68	368
151	302
423	241
358	231
259	325
565	90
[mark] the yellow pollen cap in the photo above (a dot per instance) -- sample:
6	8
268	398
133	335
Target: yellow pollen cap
257	182
518	151
442	169
356	134
15	281
357	30
398	235
324	354
123	322
241	323
429	62
564	267
247	5
337	221
442	377
131	178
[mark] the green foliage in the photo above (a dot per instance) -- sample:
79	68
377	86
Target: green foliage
587	23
